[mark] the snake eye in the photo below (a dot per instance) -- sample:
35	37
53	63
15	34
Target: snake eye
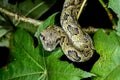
42	36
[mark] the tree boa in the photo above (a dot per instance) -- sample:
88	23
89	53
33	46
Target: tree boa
75	43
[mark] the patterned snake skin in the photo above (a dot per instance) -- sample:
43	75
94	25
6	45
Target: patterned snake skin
76	44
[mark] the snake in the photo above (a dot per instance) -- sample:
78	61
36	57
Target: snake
75	43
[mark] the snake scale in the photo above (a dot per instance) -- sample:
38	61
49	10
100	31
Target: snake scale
75	43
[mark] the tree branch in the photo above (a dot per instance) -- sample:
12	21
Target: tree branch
20	18
36	23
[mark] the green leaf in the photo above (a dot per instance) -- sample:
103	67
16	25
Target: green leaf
108	65
48	22
2	32
115	6
5	33
4	37
30	64
59	70
26	59
31	8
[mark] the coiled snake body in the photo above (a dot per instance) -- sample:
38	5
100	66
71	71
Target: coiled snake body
76	44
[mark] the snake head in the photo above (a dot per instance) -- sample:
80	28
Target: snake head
49	39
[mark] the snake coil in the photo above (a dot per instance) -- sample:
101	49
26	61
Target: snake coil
76	44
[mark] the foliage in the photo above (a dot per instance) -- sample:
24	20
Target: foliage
108	46
108	65
30	62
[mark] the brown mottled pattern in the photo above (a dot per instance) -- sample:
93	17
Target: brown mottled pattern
76	44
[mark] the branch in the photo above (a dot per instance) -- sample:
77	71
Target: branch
109	14
20	18
92	30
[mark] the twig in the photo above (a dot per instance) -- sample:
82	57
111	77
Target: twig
92	30
109	13
82	6
20	18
